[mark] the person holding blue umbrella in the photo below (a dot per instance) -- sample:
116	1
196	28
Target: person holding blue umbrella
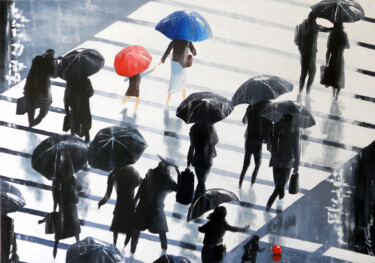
183	28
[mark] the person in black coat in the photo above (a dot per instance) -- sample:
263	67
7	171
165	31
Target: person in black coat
305	38
214	231
251	250
258	130
65	190
125	180
337	42
8	240
37	89
149	213
203	139
285	155
77	107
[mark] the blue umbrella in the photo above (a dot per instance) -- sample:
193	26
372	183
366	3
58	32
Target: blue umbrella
185	25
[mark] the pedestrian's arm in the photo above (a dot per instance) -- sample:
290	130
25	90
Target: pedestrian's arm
328	54
108	192
167	52
324	29
192	48
237	229
261	249
203	228
190	155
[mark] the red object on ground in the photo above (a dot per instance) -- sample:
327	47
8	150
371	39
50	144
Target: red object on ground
132	60
276	249
276	257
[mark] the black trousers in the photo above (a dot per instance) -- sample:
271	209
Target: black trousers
135	238
31	113
280	177
308	66
202	174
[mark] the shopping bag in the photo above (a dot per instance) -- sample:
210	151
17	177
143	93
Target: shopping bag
294	184
185	187
53	222
21	106
325	75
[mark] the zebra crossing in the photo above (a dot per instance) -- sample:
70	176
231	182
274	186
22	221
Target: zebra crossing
251	38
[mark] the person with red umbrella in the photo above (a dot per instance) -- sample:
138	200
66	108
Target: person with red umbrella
130	62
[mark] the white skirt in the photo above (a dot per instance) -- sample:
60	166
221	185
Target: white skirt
178	77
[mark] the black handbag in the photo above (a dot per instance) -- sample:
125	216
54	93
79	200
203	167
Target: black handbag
185	187
21	106
67	123
53	222
294	184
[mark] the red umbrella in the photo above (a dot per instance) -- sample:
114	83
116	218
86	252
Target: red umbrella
132	60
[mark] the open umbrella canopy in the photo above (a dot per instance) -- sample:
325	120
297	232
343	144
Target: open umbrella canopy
339	10
204	107
261	88
80	64
132	60
59	154
211	199
185	25
302	117
11	198
116	146
172	259
94	251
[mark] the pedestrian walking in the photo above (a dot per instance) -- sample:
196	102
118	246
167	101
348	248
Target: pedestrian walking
305	38
77	107
149	213
284	146
125	180
257	131
180	62
203	139
214	230
251	250
65	190
337	42
37	90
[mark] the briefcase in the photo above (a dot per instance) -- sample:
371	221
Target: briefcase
294	184
185	187
21	106
53	222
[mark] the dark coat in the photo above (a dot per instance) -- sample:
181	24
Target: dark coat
258	128
133	89
203	139
77	105
214	231
8	238
65	194
149	213
337	42
125	180
180	51
285	145
37	89
251	250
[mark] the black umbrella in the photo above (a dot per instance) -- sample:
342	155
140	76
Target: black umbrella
94	251
302	117
204	107
59	154
11	198
116	146
339	10
80	64
211	199
172	259
261	88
